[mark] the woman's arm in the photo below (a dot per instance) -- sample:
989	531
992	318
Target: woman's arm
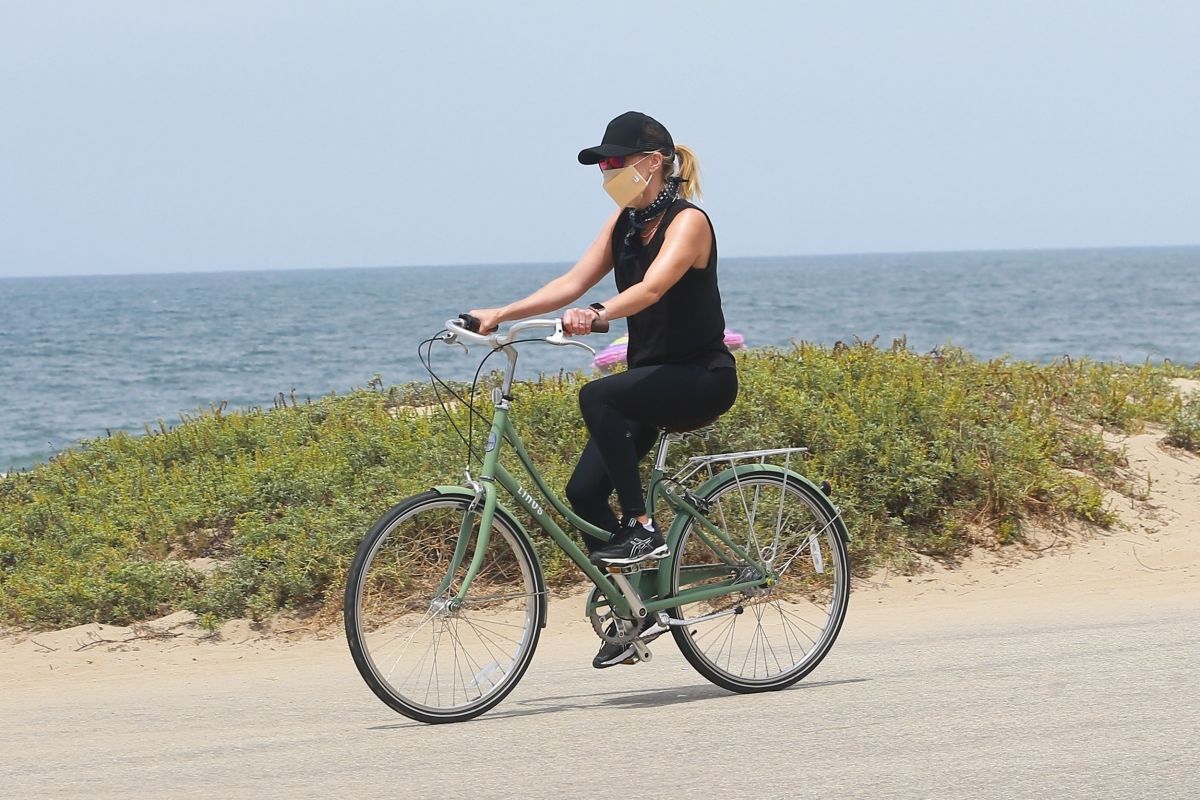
683	244
595	263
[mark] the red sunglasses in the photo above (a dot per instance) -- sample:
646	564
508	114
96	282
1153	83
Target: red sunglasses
612	162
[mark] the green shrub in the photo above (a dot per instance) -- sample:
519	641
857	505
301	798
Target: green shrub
923	452
1183	425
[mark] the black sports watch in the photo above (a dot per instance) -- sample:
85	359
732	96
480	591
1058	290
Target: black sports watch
598	308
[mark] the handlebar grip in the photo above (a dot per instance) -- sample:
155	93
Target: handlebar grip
470	323
599	325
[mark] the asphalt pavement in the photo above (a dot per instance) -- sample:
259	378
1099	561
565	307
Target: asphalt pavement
1100	703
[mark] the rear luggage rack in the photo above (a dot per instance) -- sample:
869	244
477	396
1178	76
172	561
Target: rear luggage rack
697	463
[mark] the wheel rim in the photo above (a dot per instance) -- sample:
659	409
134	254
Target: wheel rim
786	630
427	652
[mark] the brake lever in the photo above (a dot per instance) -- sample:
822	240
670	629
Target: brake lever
450	338
589	348
561	339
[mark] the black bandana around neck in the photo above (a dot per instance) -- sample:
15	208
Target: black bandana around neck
632	245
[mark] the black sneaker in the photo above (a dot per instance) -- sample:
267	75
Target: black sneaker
632	544
612	654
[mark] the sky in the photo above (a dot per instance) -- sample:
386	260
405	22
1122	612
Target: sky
195	136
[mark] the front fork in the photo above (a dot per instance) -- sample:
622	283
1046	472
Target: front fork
483	507
485	491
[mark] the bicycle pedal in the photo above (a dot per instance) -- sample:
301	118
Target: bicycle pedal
627	569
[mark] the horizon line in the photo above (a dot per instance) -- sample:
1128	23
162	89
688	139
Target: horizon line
452	265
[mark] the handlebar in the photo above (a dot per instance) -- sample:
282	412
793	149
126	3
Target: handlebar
466	328
472	324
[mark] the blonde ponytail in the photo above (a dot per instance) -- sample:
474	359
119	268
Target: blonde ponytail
688	172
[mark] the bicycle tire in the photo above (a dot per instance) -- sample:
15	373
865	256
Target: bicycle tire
365	627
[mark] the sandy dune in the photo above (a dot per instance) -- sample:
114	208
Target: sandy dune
1152	557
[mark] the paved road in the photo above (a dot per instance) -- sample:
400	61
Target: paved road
1066	705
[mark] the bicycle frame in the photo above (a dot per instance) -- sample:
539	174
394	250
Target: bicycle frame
494	472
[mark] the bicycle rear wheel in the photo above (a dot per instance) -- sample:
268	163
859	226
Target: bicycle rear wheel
767	638
425	655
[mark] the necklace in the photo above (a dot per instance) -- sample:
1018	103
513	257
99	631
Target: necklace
648	233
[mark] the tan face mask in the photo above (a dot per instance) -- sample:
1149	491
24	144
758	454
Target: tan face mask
626	185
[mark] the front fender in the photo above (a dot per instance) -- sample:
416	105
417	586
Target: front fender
451	490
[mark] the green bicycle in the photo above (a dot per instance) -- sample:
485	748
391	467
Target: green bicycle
445	599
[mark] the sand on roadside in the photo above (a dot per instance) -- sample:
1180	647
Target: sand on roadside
1151	558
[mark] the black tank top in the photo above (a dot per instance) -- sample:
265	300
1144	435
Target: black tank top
686	325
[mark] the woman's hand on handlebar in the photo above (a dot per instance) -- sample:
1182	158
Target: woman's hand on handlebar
578	321
489	319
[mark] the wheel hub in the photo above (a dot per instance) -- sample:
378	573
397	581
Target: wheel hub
444	606
747	574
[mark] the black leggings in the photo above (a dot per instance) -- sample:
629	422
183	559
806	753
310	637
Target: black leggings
623	413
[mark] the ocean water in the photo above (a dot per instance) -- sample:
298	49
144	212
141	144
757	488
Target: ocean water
80	355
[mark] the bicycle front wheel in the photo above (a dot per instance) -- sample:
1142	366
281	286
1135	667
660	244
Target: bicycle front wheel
424	653
766	638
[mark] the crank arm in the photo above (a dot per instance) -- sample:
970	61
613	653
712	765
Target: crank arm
635	601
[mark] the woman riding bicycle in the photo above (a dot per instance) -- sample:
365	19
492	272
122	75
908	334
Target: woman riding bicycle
663	252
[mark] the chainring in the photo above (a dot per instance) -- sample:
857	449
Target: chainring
599	611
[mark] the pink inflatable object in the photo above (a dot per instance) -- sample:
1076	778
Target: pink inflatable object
614	354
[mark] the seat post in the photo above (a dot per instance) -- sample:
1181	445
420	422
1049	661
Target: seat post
664	441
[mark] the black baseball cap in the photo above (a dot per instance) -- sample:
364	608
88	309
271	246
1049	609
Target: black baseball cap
632	132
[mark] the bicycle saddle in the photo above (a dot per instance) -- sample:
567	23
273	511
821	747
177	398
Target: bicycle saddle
700	426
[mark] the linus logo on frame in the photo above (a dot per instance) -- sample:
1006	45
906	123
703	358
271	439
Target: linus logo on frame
528	498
